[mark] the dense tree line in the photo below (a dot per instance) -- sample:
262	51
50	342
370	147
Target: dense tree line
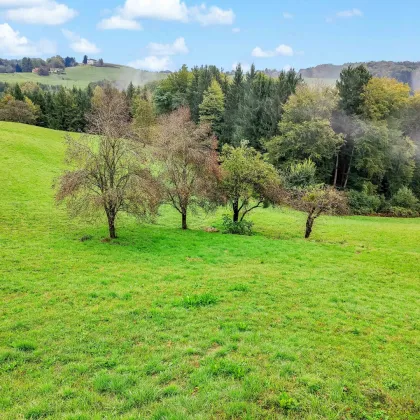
26	64
238	107
57	108
362	135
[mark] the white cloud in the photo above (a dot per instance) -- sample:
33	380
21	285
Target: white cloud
282	49
14	44
287	67
350	13
178	47
258	52
236	30
43	12
245	67
287	15
118	22
152	63
171	10
155	9
211	16
79	44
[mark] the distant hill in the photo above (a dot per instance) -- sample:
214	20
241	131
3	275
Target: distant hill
404	71
81	76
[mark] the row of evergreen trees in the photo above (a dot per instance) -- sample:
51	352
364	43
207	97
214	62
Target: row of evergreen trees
244	107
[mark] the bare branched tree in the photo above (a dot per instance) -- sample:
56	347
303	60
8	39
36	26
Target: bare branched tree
188	156
317	200
107	170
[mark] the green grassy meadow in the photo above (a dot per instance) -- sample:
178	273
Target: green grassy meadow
81	76
166	324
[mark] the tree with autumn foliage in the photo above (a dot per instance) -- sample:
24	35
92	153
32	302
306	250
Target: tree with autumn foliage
187	154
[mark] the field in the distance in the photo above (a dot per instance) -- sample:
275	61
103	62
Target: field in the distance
165	324
81	76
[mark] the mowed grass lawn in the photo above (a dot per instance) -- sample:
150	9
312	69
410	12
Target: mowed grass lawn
165	324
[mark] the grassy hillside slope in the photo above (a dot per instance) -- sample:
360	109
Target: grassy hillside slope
165	324
81	76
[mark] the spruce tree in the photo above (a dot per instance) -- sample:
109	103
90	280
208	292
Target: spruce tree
213	106
17	93
194	99
234	98
351	86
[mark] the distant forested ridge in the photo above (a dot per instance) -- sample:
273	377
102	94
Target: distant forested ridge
403	71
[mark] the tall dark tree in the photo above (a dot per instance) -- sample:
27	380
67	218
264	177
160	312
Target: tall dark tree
286	86
351	86
85	59
17	92
234	98
194	98
27	65
250	76
70	62
257	115
130	92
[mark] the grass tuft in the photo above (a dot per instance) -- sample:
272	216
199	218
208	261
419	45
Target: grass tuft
112	383
25	346
196	301
228	368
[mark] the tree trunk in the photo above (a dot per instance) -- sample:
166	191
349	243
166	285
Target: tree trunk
236	212
336	171
309	226
184	220
348	171
111	226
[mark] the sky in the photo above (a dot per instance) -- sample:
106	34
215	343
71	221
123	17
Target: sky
164	34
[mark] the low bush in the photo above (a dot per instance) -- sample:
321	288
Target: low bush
362	203
406	199
403	212
243	227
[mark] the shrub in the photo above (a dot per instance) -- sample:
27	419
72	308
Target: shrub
287	403
243	227
406	199
363	203
196	301
403	212
301	175
24	112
